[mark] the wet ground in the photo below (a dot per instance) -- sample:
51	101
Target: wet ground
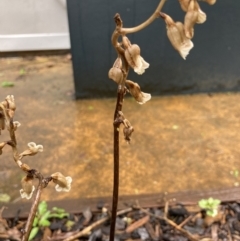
188	142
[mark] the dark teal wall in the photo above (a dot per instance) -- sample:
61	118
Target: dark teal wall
212	65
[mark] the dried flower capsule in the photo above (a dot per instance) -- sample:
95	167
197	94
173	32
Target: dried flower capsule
133	57
32	150
27	187
190	19
136	92
63	183
176	35
115	73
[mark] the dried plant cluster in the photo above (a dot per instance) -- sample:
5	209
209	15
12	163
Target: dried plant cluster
7	111
129	56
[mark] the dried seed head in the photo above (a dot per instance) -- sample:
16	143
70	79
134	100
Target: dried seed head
27	187
63	183
176	35
115	73
133	57
136	92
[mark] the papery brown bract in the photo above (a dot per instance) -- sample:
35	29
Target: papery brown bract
136	92
133	57
115	73
177	37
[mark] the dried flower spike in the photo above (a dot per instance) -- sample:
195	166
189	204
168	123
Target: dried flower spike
176	35
136	92
27	187
63	183
115	73
133	57
32	150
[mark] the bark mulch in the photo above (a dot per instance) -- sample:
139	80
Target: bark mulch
167	217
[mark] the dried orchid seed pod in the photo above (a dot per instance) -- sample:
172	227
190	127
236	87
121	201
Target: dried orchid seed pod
136	92
27	187
115	73
63	183
176	35
133	57
190	20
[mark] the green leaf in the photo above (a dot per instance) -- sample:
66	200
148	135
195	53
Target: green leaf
44	218
22	72
203	203
69	224
58	210
236	173
42	208
44	223
216	203
59	215
7	84
5	198
35	221
33	233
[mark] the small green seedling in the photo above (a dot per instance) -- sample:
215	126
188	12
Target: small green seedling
210	205
7	84
42	218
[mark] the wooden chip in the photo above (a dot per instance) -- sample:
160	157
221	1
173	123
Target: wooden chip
137	224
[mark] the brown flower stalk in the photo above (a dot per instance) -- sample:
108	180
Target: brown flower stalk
130	57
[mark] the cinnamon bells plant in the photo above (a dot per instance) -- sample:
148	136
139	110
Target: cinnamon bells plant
63	183
180	35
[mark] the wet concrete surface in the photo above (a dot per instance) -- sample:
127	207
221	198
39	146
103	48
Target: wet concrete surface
185	142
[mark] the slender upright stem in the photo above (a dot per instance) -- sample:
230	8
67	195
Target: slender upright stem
116	126
120	31
33	212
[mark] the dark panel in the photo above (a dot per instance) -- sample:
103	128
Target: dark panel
212	65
